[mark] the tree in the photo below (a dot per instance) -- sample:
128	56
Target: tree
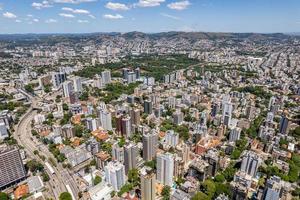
29	88
45	177
166	192
220	178
200	196
65	196
3	196
34	166
209	188
97	180
133	177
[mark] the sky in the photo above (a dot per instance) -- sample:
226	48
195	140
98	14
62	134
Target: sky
86	16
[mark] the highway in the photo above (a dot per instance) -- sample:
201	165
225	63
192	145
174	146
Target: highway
22	134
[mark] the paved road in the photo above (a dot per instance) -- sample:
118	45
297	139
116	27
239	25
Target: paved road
62	177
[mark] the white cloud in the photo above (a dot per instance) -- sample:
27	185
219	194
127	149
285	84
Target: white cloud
149	3
73	1
116	6
9	15
92	16
48	21
36	20
169	16
18	21
76	11
43	4
82	21
29	15
180	5
66	15
116	16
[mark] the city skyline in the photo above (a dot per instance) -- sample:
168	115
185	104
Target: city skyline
86	16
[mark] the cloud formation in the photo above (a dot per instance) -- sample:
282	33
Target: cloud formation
149	3
170	16
76	11
73	1
66	15
9	15
180	5
116	16
49	21
43	4
116	6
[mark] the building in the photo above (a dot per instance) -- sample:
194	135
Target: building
68	88
273	188
117	152
130	157
148	107
172	138
165	168
106	77
12	169
235	134
91	124
178	117
135	116
148	186
3	131
227	113
105	119
93	146
284	125
77	84
250	163
126	127
150	143
58	78
115	174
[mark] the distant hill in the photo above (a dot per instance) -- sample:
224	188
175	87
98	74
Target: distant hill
191	36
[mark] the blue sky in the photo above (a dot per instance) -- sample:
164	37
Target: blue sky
84	16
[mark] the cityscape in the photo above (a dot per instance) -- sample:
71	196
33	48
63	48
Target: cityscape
150	115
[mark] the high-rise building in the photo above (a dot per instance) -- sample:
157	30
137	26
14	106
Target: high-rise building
3	131
130	156
105	119
126	127
273	188
58	78
148	186
235	134
150	142
165	168
117	152
250	163
91	124
270	117
115	174
106	77
135	116
68	88
137	73
284	125
11	166
227	113
131	77
77	84
271	103
178	117
172	138
93	146
147	107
